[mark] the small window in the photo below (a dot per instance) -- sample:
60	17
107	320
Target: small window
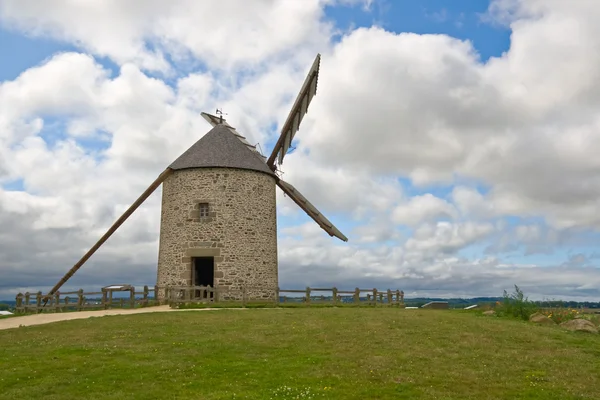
203	210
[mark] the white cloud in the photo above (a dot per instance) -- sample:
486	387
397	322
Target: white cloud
378	230
425	208
471	203
429	265
339	189
389	106
438	113
224	34
446	237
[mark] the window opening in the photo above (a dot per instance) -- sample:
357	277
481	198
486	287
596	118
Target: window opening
203	210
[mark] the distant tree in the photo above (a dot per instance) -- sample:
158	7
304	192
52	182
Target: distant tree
4	307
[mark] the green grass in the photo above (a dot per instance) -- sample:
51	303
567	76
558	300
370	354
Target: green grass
258	304
333	353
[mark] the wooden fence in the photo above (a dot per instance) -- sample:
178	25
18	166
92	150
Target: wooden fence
175	296
205	294
80	300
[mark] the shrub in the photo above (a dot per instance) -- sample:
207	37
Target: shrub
560	315
516	305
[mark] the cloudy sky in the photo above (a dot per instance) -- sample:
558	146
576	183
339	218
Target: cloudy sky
455	143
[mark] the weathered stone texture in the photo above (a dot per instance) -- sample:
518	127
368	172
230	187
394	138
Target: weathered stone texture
240	231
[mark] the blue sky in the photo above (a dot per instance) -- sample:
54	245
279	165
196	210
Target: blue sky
458	18
564	229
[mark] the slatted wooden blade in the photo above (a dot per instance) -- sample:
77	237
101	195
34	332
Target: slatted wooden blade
157	182
214	121
299	109
311	210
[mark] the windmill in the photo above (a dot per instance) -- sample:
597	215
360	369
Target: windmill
218	215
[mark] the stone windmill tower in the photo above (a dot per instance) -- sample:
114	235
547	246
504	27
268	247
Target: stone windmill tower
218	216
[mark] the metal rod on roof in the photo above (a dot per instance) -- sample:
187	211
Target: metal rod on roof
219	112
111	230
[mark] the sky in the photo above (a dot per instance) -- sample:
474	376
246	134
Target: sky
453	142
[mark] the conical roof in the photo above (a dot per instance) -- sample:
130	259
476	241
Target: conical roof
219	147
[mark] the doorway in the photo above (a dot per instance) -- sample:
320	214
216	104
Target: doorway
204	274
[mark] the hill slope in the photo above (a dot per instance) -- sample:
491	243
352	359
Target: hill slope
273	353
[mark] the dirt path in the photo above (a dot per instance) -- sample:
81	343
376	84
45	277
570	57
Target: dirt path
39	319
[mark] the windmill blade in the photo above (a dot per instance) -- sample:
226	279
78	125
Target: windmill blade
311	210
299	109
214	121
112	229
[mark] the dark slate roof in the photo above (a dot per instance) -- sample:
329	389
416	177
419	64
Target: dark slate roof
219	147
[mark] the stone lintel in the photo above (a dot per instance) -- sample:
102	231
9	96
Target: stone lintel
203	252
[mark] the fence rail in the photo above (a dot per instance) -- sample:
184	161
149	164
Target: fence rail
206	294
185	295
80	300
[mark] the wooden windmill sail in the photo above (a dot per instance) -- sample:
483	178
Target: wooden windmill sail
288	131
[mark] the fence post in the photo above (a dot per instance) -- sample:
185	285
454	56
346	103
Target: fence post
397	296
335	295
307	296
357	296
145	298
104	299
277	296
390	297
57	302
375	296
38	299
27	300
19	301
402	296
132	297
67	303
80	300
244	296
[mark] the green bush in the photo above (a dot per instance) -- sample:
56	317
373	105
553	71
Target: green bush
516	305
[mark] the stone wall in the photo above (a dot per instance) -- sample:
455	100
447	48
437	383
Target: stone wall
240	231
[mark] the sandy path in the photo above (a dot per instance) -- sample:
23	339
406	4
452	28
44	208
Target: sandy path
39	319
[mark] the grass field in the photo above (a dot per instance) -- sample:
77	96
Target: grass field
328	353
